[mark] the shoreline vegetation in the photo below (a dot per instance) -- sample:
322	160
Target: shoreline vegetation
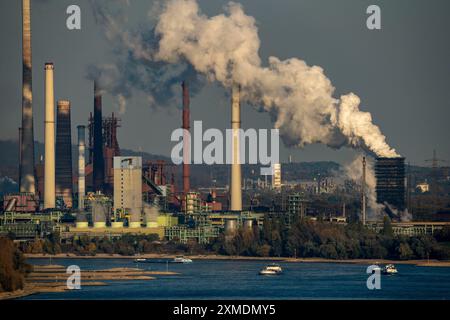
313	242
302	238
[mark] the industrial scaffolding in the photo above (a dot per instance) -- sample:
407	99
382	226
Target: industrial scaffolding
29	226
201	234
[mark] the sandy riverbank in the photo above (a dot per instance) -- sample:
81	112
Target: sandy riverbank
430	263
52	278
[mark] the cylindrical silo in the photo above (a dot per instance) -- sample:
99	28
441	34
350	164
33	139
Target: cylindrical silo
248	224
230	225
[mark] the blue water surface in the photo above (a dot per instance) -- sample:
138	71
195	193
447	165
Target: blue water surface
215	279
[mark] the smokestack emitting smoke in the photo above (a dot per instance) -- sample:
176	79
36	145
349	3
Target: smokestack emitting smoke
354	171
300	98
49	166
81	166
99	164
26	179
363	191
225	48
236	183
64	153
186	139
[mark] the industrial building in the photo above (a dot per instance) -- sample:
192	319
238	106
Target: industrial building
64	153
128	187
412	229
276	176
117	194
391	186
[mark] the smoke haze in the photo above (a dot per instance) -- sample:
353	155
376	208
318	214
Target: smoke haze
225	48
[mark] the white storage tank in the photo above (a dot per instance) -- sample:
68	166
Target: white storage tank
117	224
82	225
99	225
135	225
230	225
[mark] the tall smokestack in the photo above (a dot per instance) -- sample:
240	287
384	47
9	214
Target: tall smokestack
49	166
236	184
26	179
99	163
64	153
81	166
186	139
363	192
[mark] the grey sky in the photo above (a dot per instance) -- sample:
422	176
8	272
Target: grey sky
401	73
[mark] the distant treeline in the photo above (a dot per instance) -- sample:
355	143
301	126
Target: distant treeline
13	267
331	241
303	239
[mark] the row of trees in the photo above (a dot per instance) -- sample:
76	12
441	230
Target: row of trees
319	239
13	267
303	239
84	245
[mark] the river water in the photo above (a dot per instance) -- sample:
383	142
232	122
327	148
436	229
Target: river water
213	279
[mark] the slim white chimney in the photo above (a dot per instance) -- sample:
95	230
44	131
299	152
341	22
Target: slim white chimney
236	183
81	167
49	166
363	192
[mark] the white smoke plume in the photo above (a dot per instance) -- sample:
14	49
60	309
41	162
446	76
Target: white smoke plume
225	48
403	216
375	211
299	97
354	171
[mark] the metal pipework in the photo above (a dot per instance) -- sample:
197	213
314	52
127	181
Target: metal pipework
81	166
186	139
27	179
236	175
49	166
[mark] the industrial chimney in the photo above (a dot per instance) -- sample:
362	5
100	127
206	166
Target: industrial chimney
363	192
49	166
64	153
186	140
99	163
81	167
236	184
27	179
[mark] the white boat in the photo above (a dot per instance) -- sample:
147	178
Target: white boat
181	260
271	269
389	269
274	267
265	272
140	260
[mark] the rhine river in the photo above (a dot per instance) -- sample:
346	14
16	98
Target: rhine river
221	280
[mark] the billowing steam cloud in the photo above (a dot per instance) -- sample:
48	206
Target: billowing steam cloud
353	171
225	48
375	211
